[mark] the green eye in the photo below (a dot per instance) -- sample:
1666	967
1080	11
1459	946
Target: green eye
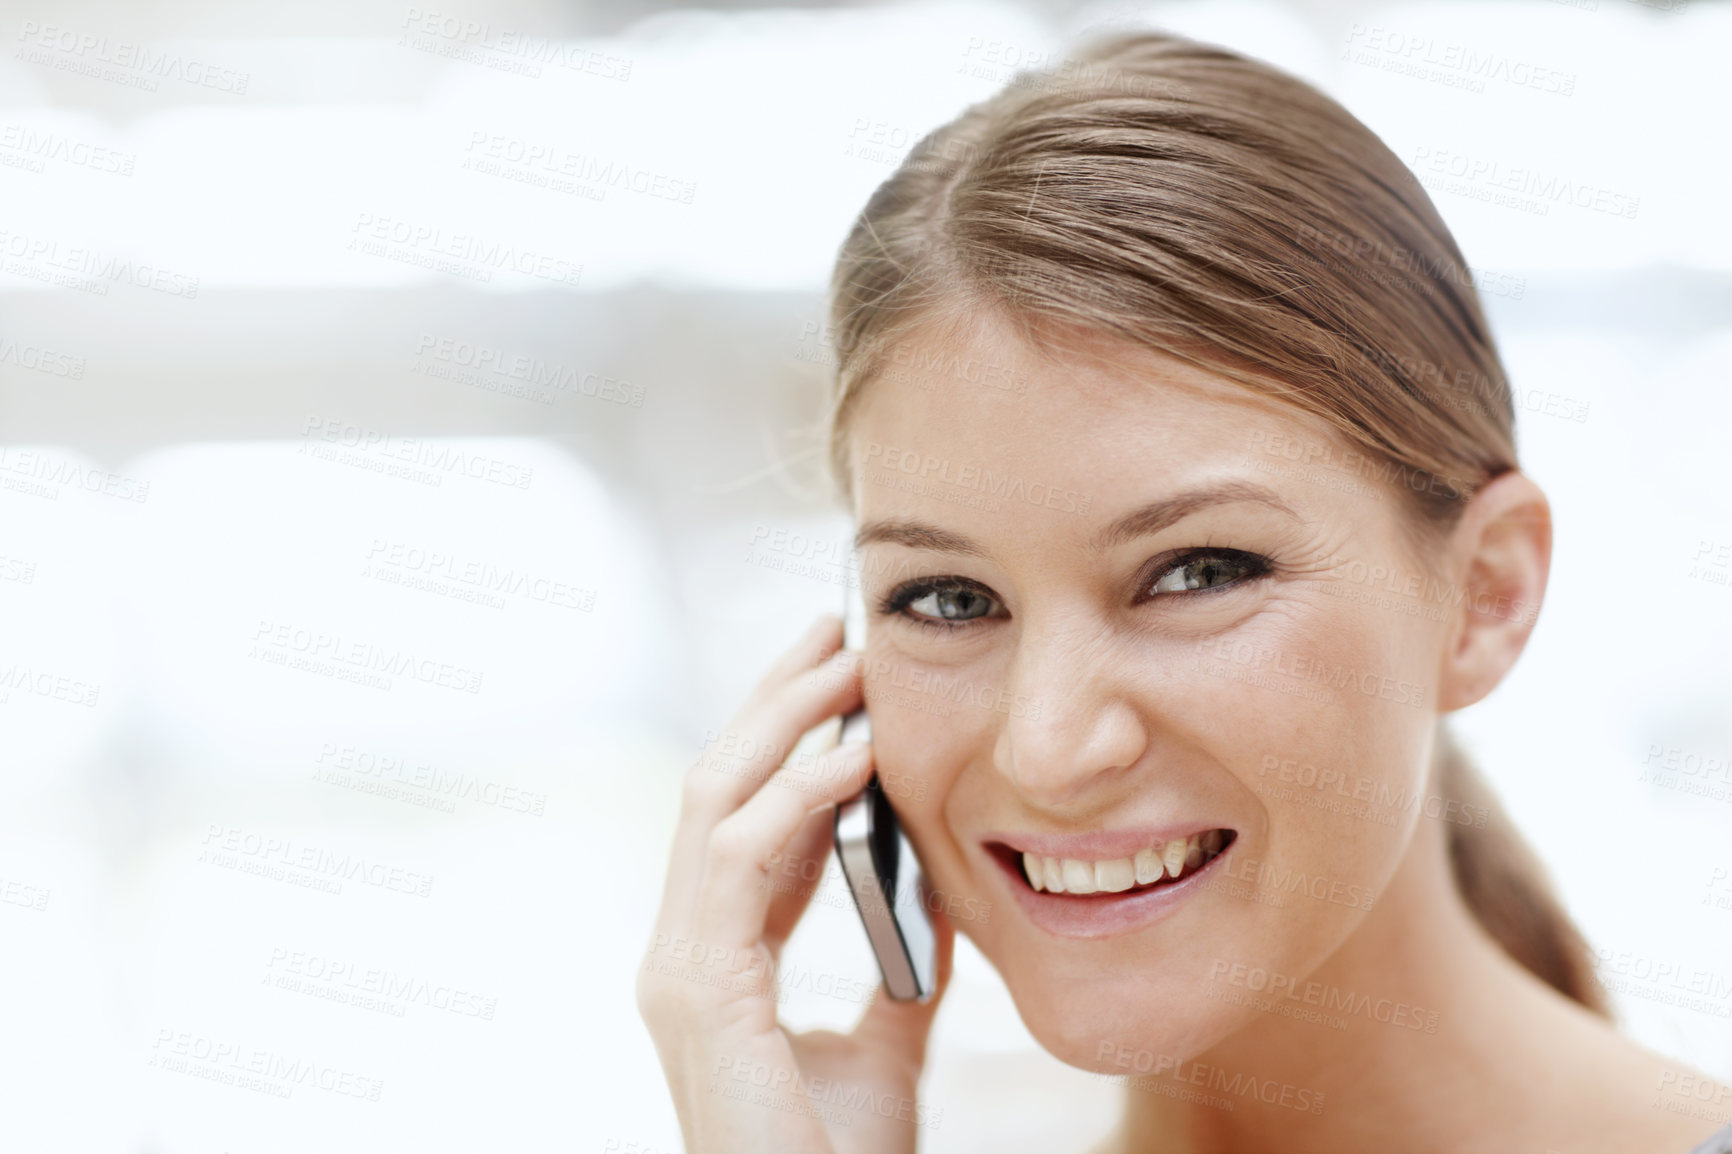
1207	571
951	605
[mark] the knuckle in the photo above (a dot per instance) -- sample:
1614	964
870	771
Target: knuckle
826	678
649	997
797	659
660	1007
654	1006
702	786
769	683
811	690
732	846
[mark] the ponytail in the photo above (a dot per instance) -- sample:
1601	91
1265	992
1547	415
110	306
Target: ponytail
1506	887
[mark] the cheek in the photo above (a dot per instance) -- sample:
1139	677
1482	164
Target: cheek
927	724
1337	841
1315	713
1335	754
923	740
918	762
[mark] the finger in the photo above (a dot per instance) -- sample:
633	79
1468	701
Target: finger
902	1028
822	638
795	875
762	736
718	784
734	896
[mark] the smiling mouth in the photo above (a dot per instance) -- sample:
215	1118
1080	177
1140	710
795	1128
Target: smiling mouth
1156	866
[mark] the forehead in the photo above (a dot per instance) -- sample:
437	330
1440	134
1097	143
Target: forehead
975	418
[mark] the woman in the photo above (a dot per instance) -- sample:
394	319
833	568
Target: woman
1188	504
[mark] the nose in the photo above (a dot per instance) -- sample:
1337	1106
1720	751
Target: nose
1072	727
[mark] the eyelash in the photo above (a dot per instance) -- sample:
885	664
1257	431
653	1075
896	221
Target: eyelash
897	601
900	598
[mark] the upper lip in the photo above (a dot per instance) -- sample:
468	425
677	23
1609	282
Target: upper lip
1098	845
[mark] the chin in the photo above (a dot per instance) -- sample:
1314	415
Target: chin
1129	1026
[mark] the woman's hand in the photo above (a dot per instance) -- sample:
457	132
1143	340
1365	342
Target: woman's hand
742	1084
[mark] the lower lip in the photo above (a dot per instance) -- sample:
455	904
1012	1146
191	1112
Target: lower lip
1103	915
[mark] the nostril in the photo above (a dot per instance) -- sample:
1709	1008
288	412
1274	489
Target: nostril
1054	748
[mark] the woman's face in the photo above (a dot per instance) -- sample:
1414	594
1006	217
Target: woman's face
1115	607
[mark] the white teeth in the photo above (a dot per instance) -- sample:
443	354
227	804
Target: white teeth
1069	875
1173	855
1115	876
1079	876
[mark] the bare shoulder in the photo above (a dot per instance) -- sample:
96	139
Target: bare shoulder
1698	1107
1652	1102
1593	1089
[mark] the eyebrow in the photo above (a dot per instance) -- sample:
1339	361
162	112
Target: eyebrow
1154	517
916	535
1151	518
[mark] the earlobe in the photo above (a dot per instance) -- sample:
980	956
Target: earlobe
1501	550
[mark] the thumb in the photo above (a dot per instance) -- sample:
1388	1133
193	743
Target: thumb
902	1028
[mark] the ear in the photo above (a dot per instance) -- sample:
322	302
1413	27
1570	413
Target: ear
1501	553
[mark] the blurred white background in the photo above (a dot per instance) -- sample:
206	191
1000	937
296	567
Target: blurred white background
484	340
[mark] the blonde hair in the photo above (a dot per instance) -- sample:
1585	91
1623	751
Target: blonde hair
1190	200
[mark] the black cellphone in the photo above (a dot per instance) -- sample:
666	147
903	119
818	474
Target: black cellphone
879	864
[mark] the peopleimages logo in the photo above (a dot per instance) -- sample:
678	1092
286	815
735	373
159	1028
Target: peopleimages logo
41	360
283	859
785	1087
250	1068
1331	999
1302	669
87	269
122	61
321	975
32	149
1457	65
1437	167
410	565
548	165
505	49
416	458
496	370
1377	795
1232	1085
982	479
277	642
463	253
57	472
42	683
1265	875
881	674
385	772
